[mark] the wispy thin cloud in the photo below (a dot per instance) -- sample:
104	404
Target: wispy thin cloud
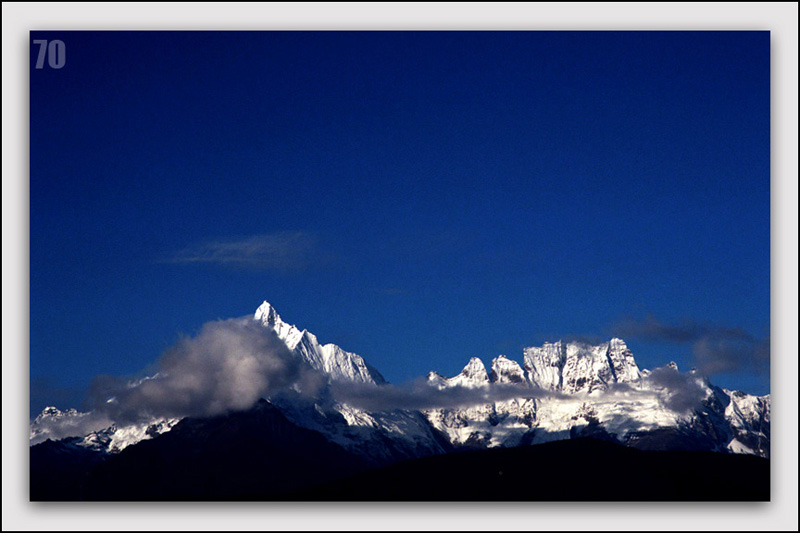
717	349
280	251
721	355
419	394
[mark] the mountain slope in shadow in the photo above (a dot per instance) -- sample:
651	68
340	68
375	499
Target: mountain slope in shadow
582	469
260	455
58	469
251	454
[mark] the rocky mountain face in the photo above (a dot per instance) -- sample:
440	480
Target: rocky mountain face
566	390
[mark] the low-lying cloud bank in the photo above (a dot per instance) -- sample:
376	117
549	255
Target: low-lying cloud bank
233	363
681	392
418	394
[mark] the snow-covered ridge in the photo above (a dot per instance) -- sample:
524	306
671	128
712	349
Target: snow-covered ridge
102	434
601	390
577	367
329	358
563	367
382	437
576	389
504	370
55	424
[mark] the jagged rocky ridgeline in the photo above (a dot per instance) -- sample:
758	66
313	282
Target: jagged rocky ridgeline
580	390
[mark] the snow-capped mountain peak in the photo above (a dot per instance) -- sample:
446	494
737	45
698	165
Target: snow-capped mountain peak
54	412
588	401
267	314
269	317
473	375
504	370
100	433
329	358
577	367
544	364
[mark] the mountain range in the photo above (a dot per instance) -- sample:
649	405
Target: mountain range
356	421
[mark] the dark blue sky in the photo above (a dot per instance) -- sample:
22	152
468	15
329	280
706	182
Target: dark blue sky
418	198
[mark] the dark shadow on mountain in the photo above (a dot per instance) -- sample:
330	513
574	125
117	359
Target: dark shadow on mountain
58	469
581	469
245	455
260	454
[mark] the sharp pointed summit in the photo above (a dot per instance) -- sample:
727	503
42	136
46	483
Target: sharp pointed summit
267	314
329	358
